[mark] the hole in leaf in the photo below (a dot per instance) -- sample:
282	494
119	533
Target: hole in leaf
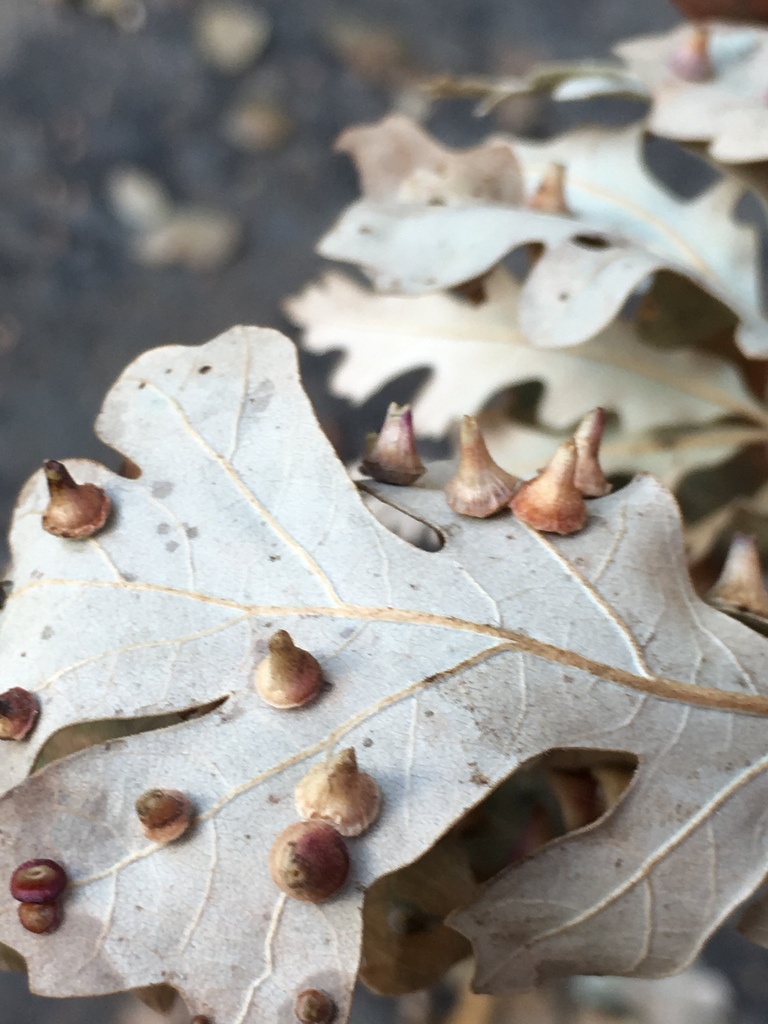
406	527
591	242
678	170
74	738
406	943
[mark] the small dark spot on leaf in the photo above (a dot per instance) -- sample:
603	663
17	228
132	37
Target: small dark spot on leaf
591	242
162	489
347	632
273	799
47	633
365	229
164	528
274	558
169	370
142	385
262	396
192	532
247	835
563	296
36	574
205	369
367	742
23	654
171	545
429	714
129	577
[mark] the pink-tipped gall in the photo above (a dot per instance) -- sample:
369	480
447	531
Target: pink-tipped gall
690	60
392	458
588	475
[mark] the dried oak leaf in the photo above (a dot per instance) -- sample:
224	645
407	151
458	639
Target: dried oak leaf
729	110
475	351
398	159
625	227
446	668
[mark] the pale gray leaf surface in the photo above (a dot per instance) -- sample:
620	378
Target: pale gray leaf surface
408	244
443	668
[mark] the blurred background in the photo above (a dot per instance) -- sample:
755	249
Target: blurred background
166	167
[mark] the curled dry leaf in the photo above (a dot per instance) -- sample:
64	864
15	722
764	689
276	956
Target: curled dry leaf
397	159
625	227
728	110
517	644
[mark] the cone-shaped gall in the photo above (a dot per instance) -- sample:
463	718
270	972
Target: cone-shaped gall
551	502
588	475
337	791
392	458
690	59
289	676
74	511
740	584
480	487
549	196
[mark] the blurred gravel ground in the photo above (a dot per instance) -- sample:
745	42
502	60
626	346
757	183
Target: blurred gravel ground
81	98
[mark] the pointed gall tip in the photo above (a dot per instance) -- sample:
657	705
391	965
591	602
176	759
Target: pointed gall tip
740	584
289	676
549	196
18	713
588	475
690	60
551	502
337	792
75	511
480	487
393	458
